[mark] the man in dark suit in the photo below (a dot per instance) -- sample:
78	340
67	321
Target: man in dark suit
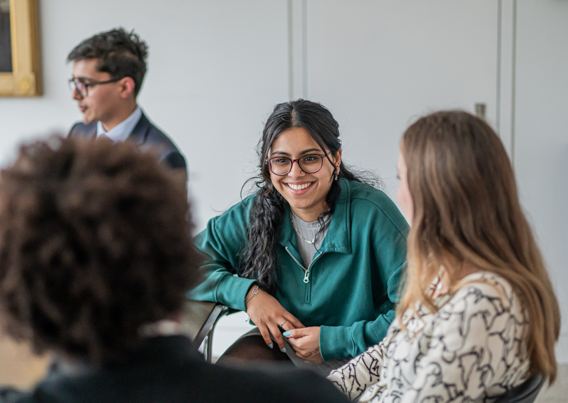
96	258
108	71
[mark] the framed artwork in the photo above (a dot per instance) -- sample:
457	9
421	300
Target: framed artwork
19	48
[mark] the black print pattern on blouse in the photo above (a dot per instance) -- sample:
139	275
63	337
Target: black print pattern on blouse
471	350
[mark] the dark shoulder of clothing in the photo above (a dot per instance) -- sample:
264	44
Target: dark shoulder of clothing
82	130
168	369
11	395
146	135
170	154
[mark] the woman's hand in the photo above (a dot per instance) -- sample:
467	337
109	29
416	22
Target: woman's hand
267	314
306	343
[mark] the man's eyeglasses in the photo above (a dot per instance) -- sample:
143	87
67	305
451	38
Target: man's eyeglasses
309	164
83	87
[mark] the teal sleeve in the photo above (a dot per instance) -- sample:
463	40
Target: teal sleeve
221	244
387	230
338	342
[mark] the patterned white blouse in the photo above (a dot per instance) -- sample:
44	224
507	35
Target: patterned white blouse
473	349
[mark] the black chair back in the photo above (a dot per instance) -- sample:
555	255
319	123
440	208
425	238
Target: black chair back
524	393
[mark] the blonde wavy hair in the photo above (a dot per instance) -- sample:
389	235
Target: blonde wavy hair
467	213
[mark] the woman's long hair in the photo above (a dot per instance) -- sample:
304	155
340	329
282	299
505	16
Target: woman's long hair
467	212
267	213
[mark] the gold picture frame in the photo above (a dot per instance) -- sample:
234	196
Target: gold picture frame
24	79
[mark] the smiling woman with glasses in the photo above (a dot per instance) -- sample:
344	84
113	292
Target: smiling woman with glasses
314	257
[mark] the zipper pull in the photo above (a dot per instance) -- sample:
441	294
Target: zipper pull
307	277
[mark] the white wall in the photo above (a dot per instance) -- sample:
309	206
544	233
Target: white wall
378	65
541	135
217	67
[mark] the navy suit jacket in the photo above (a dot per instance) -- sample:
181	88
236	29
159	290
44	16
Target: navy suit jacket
168	369
145	135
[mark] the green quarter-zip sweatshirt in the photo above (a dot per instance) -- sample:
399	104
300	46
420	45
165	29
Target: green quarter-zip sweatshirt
349	289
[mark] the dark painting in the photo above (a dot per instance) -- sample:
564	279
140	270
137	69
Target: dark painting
5	38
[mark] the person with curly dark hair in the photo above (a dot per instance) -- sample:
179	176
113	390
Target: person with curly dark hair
96	258
108	71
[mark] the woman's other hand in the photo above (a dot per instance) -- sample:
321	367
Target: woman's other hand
268	315
306	343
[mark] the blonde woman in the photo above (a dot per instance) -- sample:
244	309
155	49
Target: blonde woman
478	314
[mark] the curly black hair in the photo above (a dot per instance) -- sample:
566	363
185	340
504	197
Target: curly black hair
119	53
95	241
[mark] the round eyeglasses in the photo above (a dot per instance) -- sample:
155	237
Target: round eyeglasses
83	87
309	164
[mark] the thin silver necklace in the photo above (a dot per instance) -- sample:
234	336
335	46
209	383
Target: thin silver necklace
313	241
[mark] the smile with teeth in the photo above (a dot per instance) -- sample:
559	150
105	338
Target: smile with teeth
300	186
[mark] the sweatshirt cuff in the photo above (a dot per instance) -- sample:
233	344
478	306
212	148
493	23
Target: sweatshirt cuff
335	342
231	291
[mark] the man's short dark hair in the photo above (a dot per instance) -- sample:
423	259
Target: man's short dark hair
94	242
119	53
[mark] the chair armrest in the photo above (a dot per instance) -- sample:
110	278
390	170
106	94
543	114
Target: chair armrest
525	392
199	317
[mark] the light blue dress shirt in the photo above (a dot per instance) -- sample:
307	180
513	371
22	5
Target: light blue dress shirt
122	130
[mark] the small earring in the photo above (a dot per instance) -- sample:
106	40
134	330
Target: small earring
336	176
